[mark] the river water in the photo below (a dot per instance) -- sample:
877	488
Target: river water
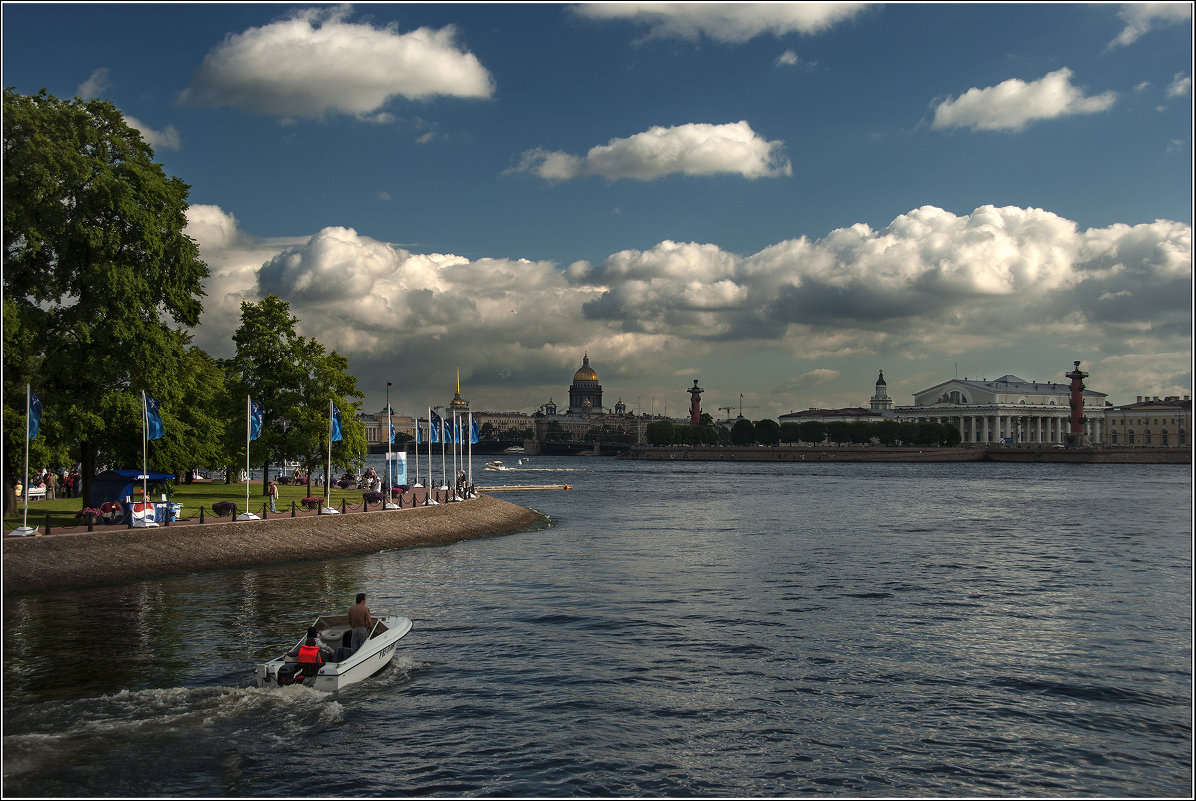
698	629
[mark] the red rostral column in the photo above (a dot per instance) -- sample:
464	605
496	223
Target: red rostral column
695	404
1077	399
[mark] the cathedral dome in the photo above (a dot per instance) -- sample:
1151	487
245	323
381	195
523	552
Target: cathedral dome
585	372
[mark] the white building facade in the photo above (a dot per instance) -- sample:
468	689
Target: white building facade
1007	409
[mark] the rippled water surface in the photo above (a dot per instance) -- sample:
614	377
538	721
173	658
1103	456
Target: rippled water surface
700	629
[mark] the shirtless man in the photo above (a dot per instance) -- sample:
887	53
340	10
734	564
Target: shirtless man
361	621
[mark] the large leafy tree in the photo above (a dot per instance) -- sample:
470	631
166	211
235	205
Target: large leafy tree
99	278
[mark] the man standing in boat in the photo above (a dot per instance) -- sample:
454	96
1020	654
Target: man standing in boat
361	621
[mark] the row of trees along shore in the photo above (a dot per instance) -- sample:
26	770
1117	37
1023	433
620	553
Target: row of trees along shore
770	432
101	285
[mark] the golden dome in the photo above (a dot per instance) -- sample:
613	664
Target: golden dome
585	372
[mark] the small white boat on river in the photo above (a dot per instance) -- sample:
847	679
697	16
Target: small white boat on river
373	655
495	465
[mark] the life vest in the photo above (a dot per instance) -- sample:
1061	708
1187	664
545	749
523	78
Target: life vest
310	653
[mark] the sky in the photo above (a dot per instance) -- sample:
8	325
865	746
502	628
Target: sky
777	200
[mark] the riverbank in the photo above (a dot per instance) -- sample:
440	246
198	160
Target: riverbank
869	453
118	554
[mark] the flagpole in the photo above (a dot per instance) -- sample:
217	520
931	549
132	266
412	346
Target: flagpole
144	451
456	445
25	492
248	423
470	460
328	468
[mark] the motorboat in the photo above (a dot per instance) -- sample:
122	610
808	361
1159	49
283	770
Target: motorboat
495	465
515	449
349	667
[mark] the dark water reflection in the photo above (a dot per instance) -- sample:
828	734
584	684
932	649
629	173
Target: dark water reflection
679	630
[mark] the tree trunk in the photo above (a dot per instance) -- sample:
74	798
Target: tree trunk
87	458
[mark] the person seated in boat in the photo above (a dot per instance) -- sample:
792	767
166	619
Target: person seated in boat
360	621
313	651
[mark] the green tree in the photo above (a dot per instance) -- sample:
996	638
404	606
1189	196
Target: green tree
743	432
659	432
99	278
768	432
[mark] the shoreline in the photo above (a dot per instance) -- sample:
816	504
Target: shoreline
869	453
120	554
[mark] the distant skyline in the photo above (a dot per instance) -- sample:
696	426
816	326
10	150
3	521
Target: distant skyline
779	200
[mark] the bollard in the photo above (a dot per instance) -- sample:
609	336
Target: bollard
130	524
292	508
47	522
91	522
166	522
201	514
265	508
342	505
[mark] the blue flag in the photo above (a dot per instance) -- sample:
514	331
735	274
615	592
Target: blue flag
153	420
392	431
434	428
35	415
473	432
419	437
336	424
255	419
447	434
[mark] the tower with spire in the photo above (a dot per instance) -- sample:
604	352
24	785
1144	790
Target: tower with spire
458	403
881	399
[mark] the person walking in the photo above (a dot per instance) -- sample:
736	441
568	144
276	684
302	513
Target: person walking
273	497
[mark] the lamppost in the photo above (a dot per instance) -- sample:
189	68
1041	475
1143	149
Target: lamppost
388	503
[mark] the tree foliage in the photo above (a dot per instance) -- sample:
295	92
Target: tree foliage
99	278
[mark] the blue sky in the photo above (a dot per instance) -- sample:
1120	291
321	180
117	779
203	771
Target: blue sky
779	200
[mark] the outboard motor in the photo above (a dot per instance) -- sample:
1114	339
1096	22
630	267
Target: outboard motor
296	672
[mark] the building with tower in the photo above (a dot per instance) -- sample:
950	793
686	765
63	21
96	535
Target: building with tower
880	398
585	393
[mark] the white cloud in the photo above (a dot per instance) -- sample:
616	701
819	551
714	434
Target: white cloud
690	149
316	63
726	22
930	284
96	84
1141	18
1012	104
166	139
1181	85
787	59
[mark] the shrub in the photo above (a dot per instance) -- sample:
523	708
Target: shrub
311	504
372	497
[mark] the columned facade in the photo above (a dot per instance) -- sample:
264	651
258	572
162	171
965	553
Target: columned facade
1007	410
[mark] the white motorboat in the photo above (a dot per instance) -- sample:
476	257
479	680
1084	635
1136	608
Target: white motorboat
495	465
373	655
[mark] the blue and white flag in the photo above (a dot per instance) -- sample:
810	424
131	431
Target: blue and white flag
447	433
255	419
474	433
336	424
35	415
153	420
391	423
419	437
434	428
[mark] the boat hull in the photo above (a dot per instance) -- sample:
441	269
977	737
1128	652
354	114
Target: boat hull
373	655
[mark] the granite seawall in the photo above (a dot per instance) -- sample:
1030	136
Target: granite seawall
119	554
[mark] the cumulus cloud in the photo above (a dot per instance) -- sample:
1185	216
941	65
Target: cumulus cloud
1181	85
1141	18
930	281
734	23
96	84
1012	104
166	139
317	63
690	149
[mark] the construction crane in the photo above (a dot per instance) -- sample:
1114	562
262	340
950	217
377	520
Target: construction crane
741	407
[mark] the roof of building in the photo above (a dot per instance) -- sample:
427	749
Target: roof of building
853	411
1011	383
1172	402
585	372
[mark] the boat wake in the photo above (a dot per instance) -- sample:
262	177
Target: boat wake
62	748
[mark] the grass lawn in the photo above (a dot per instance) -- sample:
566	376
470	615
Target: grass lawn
191	496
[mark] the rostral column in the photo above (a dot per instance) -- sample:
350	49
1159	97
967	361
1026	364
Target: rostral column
1077	377
695	404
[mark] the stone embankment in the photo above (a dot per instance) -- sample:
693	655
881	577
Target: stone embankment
869	453
123	554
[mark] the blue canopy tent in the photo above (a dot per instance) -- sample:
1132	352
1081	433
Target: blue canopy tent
116	485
